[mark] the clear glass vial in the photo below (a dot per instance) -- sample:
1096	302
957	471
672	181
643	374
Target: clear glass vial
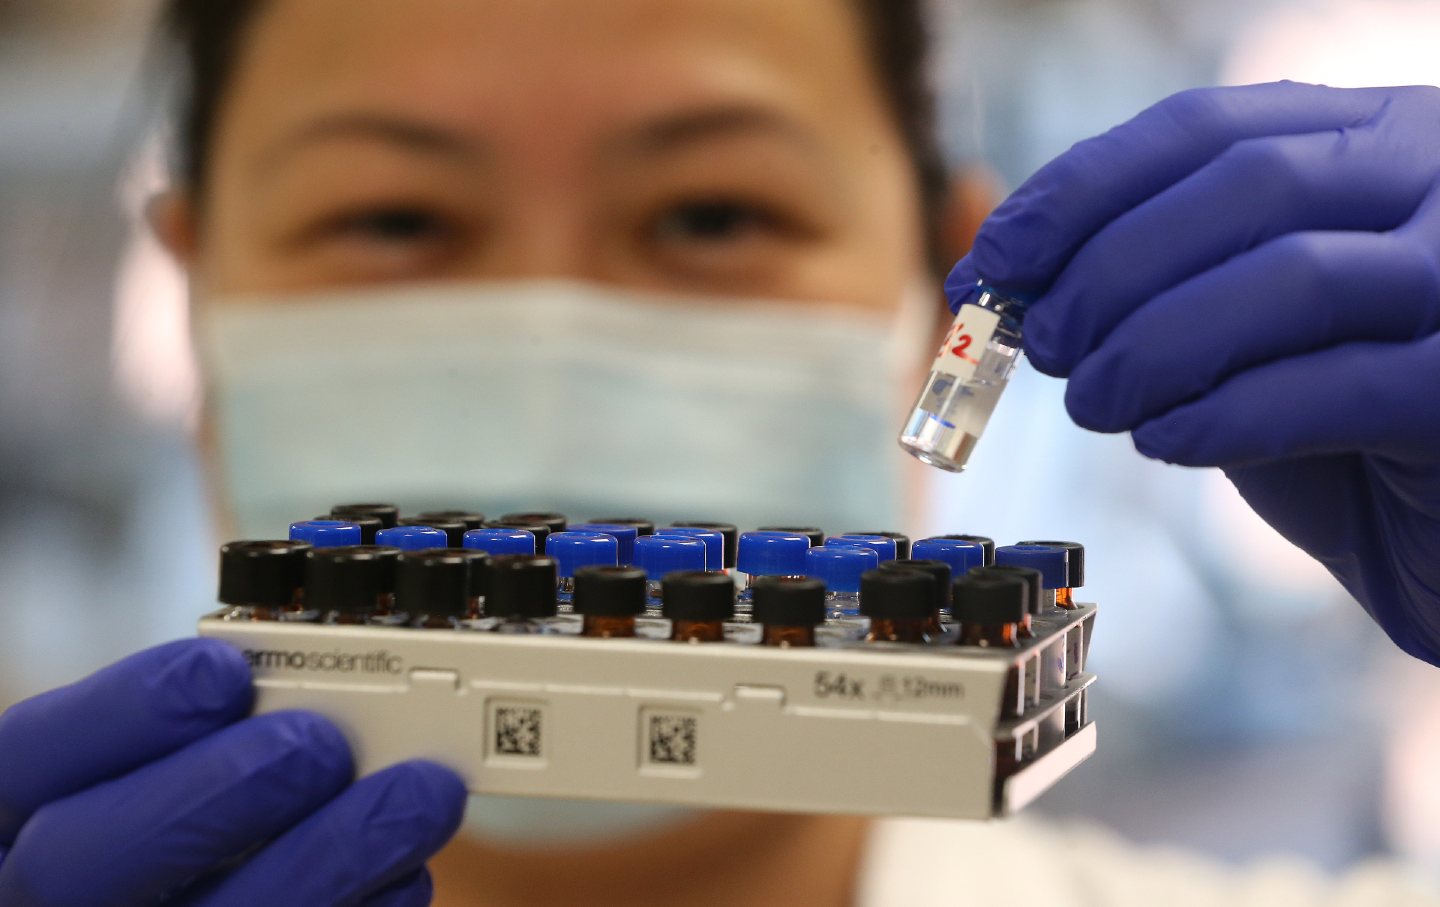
971	369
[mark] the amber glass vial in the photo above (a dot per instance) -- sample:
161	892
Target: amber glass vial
261	580
788	608
433	587
940	572
697	603
1034	585
608	600
899	604
1074	570
353	585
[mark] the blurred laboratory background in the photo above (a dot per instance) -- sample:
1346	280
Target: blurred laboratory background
1247	707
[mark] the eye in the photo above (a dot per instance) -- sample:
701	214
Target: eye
394	225
712	220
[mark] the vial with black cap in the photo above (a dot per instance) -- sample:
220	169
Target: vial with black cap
939	571
262	580
353	585
1034	582
698	603
989	607
472	519
729	531
788	608
554	522
608	599
521	598
899	604
433	587
387	514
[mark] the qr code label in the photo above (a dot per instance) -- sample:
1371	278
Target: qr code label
673	739
517	731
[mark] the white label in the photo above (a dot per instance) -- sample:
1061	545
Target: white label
960	354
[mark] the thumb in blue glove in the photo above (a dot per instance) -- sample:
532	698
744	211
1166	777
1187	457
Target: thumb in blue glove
146	781
1249	278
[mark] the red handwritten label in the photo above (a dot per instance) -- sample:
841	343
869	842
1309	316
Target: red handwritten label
971	330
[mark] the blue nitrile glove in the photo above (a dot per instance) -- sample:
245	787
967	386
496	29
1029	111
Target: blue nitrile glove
1249	278
146	784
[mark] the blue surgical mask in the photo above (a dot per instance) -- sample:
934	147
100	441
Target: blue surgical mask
559	396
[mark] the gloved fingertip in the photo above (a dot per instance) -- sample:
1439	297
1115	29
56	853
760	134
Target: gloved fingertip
318	737
205	678
1087	402
1165	439
430	792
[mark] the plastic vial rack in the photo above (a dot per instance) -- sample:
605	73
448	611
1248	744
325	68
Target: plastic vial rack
852	727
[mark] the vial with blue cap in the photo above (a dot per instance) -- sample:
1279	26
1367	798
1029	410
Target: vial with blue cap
1074	570
412	538
573	551
729	531
713	539
883	545
971	369
962	555
326	533
1050	561
768	554
840	567
660	555
454	529
500	541
623	533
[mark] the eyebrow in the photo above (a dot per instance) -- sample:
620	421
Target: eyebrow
669	132
410	134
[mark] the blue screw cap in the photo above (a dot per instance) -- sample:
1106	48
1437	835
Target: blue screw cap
772	554
623	534
962	556
500	541
882	545
326	533
412	538
575	549
714	543
1050	561
659	555
839	566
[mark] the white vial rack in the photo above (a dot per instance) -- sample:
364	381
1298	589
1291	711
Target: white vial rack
855	728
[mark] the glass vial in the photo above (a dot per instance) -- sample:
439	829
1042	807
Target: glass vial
434	587
939	572
1034	582
471	518
698	603
883	545
262	580
769	554
522	594
387	514
643	526
555	522
609	598
899	604
661	555
369	526
454	529
1050	561
902	541
989	608
353	585
1074	570
840	567
729	531
815	535
412	538
788	608
713	540
573	551
971	370
500	541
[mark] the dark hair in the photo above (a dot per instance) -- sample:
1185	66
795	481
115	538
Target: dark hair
211	32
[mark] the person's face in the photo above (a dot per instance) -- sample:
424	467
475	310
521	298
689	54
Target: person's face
737	147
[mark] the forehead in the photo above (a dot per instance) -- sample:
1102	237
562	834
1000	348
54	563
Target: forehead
550	63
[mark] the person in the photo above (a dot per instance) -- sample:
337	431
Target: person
443	248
